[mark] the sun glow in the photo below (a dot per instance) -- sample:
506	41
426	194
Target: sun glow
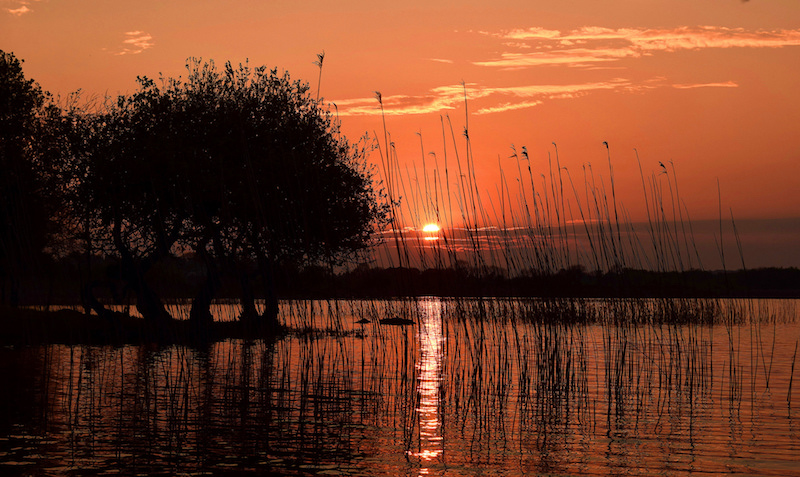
431	228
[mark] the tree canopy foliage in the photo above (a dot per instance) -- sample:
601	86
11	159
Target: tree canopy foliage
23	217
239	167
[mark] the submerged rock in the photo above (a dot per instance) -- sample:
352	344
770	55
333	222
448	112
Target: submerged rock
396	320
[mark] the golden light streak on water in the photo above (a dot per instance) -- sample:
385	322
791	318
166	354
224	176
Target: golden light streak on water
429	368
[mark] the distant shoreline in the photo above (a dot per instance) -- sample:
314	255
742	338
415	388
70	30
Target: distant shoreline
59	287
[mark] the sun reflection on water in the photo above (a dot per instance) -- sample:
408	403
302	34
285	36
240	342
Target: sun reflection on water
429	367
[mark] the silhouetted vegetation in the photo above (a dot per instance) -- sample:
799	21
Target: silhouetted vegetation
236	184
241	168
23	212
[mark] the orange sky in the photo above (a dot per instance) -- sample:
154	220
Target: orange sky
712	85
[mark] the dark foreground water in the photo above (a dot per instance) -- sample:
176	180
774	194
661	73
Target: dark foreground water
479	387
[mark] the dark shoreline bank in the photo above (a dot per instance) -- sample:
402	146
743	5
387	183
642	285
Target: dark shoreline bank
27	326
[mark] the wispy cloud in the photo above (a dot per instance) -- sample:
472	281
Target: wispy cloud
589	46
136	42
396	105
441	60
444	98
595	48
508	106
19	7
565	57
726	84
18	12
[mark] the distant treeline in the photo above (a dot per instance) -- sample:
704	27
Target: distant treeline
573	282
367	282
178	278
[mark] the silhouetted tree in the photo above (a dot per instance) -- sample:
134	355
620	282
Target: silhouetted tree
240	166
23	215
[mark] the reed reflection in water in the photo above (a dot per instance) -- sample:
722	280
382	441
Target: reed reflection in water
483	385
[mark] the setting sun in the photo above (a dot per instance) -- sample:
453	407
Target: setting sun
432	228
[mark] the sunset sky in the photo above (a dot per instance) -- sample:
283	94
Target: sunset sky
712	86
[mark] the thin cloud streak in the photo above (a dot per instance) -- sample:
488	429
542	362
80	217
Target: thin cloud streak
568	57
500	108
395	105
137	42
18	12
22	7
727	84
588	46
445	98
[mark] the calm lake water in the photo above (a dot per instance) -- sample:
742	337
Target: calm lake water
475	387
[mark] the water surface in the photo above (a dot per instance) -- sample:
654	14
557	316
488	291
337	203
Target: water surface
475	387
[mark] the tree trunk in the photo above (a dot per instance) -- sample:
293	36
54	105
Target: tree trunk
250	315
272	306
132	271
90	302
270	296
149	304
147	300
200	314
267	321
